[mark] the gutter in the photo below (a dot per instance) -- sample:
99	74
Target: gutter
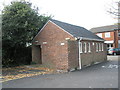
79	59
83	38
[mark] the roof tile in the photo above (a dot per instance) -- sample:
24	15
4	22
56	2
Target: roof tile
76	31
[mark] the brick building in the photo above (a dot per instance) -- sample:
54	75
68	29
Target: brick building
110	33
64	46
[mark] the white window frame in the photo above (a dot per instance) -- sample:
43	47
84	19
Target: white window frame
81	51
96	47
89	47
85	46
107	35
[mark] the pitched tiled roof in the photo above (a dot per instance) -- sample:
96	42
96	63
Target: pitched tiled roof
104	28
76	31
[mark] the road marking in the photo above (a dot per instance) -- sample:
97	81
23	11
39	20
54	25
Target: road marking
111	66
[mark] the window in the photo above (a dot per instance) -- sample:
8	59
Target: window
107	34
96	47
99	34
111	45
118	43
89	47
80	47
102	46
85	47
99	47
118	34
107	45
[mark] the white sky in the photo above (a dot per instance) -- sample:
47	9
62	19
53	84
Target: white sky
85	13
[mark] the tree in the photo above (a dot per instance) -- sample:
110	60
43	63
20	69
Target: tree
115	10
20	23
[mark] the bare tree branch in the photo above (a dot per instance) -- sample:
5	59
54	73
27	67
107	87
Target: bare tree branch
115	10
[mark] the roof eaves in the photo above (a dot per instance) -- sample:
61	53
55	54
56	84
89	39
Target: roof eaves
104	29
84	38
91	39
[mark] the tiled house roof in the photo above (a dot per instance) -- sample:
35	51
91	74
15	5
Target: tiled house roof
104	28
76	31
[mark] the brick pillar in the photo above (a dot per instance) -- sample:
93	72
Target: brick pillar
116	38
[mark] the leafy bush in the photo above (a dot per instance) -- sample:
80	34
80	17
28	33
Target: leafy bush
20	23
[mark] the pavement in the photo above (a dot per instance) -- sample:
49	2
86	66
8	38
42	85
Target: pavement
102	75
111	57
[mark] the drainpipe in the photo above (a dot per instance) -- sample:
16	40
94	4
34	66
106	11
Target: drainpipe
79	40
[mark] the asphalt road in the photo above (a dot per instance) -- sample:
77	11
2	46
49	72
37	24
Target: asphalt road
103	75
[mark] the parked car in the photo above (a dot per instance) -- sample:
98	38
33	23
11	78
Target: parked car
114	51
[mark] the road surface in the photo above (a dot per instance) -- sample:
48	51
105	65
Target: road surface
103	75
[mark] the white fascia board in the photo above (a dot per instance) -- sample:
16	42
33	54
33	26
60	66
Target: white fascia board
109	41
84	38
62	29
93	39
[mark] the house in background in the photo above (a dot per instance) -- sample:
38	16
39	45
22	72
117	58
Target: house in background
64	46
110	33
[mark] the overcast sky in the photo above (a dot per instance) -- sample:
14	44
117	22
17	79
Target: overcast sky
85	13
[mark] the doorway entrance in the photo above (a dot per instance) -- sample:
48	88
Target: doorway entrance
37	54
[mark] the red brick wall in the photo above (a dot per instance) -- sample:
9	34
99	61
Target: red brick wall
73	54
53	53
93	56
116	39
60	53
111	36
